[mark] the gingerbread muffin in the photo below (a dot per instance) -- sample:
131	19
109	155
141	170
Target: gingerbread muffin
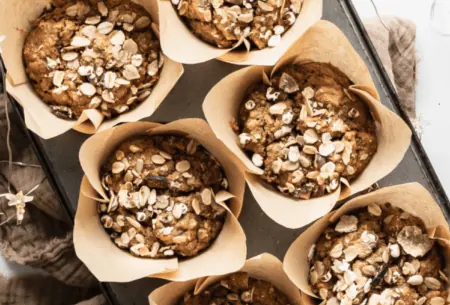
306	131
162	197
225	23
378	255
240	289
93	55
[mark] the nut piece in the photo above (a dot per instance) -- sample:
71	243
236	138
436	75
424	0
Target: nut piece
414	242
347	224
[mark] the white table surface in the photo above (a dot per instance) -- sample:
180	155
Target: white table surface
433	76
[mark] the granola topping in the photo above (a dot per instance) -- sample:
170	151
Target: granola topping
102	56
162	197
237	288
224	23
377	262
307	131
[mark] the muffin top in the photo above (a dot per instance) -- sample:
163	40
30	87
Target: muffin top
224	23
306	131
237	288
162	197
93	55
378	255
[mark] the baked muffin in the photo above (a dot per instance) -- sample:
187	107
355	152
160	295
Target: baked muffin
378	255
224	23
93	55
238	288
162	200
306	131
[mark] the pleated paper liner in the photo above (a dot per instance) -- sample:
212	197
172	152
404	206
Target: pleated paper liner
109	263
412	198
180	44
264	267
16	17
324	43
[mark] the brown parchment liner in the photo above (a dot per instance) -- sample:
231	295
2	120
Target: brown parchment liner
180	44
323	42
412	198
106	261
264	266
16	17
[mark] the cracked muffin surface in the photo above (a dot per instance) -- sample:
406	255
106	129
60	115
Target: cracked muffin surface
238	288
223	23
378	255
162	197
306	131
92	54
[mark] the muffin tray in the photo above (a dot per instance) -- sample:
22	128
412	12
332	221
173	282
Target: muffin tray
59	156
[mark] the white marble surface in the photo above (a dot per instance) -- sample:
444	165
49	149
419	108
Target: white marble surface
433	74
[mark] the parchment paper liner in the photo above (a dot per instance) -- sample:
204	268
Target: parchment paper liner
264	266
323	42
15	23
412	198
106	261
180	44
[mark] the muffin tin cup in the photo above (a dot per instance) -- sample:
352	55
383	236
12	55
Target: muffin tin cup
109	263
15	23
264	266
324	43
174	33
412	198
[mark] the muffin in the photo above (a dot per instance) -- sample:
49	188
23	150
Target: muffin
162	197
306	131
237	288
379	254
225	23
92	55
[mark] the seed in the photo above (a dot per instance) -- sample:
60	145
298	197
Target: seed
72	11
294	154
395	250
257	160
287	117
106	221
325	149
339	146
87	89
152	68
117	167
369	270
310	150
69	56
336	251
415	280
432	283
277	108
437	301
179	210
158	159
95	102
109	79
250	105
130	72
130	46
133	222
165	155
85	70
58	78
310	136
79	42
105	27
289	166
264	6
118	38
92	20
141	216
142	22
374	209
102	8
125	238
206	196
196	206
183	166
